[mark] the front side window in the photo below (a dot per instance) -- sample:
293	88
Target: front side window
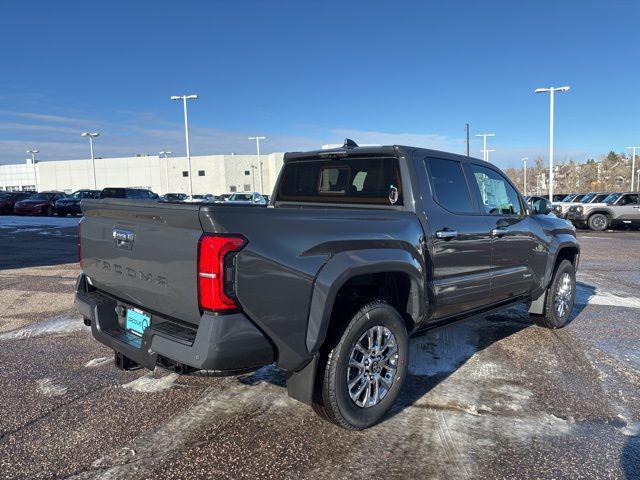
343	180
497	195
449	185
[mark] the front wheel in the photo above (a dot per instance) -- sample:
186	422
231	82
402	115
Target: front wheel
598	222
360	378
561	295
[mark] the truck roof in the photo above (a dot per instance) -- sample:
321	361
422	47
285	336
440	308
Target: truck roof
351	149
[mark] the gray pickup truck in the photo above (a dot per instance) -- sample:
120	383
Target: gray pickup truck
617	209
359	248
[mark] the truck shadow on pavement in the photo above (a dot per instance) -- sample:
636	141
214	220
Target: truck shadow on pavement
631	458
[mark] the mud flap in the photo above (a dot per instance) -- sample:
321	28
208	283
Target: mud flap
537	305
300	384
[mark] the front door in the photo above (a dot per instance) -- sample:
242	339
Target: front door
628	209
460	245
512	243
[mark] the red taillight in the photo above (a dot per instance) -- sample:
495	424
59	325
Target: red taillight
80	243
214	283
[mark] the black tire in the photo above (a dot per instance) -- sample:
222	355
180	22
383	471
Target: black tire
598	222
551	317
332	399
7	210
49	212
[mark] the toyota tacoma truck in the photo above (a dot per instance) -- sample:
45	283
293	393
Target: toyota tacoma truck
359	248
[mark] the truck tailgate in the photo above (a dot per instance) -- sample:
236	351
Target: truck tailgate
144	253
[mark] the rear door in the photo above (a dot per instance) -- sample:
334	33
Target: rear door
512	243
461	245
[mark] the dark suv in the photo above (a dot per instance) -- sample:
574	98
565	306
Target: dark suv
132	193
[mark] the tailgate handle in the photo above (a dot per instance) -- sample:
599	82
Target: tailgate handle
123	238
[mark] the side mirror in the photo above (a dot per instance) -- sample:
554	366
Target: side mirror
541	206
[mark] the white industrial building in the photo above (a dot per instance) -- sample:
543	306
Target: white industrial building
210	174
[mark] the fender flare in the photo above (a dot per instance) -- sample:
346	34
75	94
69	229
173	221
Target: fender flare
348	264
559	243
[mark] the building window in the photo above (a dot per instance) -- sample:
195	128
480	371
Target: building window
232	188
201	173
28	187
247	172
247	188
185	173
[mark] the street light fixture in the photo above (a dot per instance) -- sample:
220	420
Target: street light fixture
257	139
184	99
91	136
485	154
551	91
487	151
524	161
633	167
33	162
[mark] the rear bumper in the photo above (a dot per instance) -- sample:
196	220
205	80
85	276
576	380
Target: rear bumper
223	343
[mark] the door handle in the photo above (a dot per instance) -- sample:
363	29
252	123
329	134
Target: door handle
499	231
446	234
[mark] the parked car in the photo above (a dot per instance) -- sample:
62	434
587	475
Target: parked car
208	197
173	197
363	247
560	208
70	204
616	209
42	203
133	193
9	199
249	198
225	196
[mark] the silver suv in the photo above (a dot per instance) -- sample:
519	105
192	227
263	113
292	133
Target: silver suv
615	210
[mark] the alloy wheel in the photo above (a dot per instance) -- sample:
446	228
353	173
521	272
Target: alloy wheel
373	363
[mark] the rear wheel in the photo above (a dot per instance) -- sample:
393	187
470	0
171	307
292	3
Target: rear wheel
560	297
360	378
598	222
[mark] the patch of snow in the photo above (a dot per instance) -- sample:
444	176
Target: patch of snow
42	222
46	387
98	362
590	295
149	383
61	324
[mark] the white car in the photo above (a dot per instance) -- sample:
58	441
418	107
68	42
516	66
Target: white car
249	198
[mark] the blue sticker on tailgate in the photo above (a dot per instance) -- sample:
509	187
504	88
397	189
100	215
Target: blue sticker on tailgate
137	322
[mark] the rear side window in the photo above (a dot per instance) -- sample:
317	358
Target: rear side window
373	181
449	184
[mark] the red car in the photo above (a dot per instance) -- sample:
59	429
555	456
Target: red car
9	199
38	204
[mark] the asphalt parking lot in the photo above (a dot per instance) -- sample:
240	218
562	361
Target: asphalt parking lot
493	397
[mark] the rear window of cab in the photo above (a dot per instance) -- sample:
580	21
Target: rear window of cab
374	181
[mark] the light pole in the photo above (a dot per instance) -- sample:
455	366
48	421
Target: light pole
91	136
488	151
633	167
184	99
551	91
485	154
257	139
253	177
33	162
165	155
524	161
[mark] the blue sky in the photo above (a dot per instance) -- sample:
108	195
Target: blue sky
308	73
